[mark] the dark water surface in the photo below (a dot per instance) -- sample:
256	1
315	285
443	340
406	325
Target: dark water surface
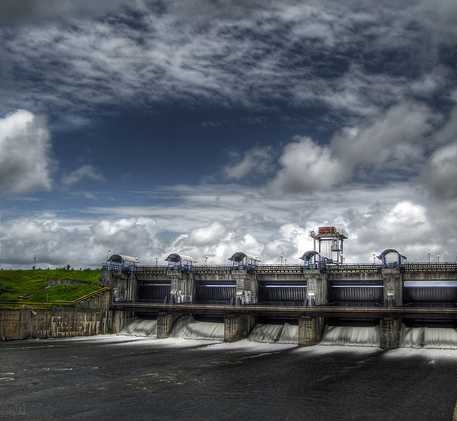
110	378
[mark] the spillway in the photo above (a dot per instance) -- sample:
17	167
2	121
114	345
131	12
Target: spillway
352	336
429	337
282	293
216	292
353	293
141	327
263	332
289	334
189	328
153	291
284	333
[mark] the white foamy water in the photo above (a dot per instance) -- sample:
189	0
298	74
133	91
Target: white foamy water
267	333
274	333
352	336
428	337
189	328
289	334
141	327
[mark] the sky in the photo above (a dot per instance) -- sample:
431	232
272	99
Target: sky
205	127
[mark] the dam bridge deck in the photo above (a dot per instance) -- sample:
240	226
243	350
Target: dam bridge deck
292	311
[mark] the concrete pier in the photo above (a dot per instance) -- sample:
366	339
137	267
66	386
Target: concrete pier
393	286
390	332
165	322
237	326
246	286
310	330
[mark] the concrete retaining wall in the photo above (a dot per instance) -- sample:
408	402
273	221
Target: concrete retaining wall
88	317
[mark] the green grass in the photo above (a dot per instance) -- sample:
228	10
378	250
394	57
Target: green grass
32	285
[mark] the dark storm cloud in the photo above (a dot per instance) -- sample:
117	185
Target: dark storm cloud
33	11
354	60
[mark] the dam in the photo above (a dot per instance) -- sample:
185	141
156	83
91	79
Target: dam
387	304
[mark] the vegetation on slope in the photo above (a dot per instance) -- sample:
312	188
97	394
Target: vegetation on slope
47	285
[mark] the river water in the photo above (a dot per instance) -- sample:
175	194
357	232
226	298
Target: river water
139	378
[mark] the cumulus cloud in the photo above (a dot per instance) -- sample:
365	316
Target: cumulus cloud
394	140
24	153
255	161
393	144
307	166
440	174
244	220
83	173
207	235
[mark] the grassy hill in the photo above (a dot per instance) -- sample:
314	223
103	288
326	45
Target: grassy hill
47	285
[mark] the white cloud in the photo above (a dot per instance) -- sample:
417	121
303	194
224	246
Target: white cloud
207	235
394	140
24	153
83	173
307	166
255	161
440	174
243	219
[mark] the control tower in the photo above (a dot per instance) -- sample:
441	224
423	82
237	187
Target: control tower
328	242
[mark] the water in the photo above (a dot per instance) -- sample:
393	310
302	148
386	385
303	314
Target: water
189	328
352	336
428	337
141	327
127	378
274	333
263	332
289	334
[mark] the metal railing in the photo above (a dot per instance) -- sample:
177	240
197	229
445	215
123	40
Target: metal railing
265	268
59	303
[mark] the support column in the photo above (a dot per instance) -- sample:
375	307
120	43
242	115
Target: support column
123	286
246	286
393	286
182	288
310	330
390	333
237	326
120	319
165	322
316	289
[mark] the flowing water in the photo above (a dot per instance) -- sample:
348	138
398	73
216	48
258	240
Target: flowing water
141	327
428	337
189	328
132	378
351	336
289	334
268	333
274	333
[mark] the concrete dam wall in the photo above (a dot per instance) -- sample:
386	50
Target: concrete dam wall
91	316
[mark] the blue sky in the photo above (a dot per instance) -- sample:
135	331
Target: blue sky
209	126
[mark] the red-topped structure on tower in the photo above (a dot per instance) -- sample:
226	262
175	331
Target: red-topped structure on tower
328	242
